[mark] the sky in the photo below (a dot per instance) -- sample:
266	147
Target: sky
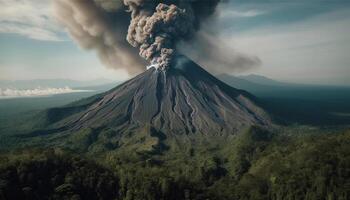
297	41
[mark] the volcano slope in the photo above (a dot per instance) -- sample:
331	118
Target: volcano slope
184	100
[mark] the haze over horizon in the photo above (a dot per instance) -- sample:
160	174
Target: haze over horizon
300	42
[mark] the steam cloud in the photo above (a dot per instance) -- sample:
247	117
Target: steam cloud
155	27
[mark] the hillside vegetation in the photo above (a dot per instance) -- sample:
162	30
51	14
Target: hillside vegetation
254	165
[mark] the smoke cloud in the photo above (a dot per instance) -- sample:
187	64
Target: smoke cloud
123	30
215	55
155	35
101	26
156	26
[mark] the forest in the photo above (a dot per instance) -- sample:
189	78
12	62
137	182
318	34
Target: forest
258	165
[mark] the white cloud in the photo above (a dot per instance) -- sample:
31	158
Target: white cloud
232	10
15	93
32	32
29	18
229	13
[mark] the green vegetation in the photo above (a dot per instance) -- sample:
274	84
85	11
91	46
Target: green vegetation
254	165
53	175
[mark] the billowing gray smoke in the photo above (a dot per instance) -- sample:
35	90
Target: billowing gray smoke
101	26
157	25
155	34
154	27
216	55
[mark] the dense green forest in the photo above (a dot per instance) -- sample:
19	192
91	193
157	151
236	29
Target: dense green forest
254	165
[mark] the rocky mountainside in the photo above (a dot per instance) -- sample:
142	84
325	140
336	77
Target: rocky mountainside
182	100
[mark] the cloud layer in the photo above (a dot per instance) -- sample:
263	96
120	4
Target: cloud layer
30	18
15	93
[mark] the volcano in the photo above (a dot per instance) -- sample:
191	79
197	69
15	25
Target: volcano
185	99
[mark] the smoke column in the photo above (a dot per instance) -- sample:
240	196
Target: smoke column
155	27
123	30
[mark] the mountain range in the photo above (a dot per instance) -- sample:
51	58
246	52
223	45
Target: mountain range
265	87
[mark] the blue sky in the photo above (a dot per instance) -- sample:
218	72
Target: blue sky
296	40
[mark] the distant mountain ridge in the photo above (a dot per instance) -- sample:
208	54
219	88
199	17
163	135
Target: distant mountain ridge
262	80
265	87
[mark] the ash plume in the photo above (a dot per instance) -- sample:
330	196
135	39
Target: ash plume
156	26
121	30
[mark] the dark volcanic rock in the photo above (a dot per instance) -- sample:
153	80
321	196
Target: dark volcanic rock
185	99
